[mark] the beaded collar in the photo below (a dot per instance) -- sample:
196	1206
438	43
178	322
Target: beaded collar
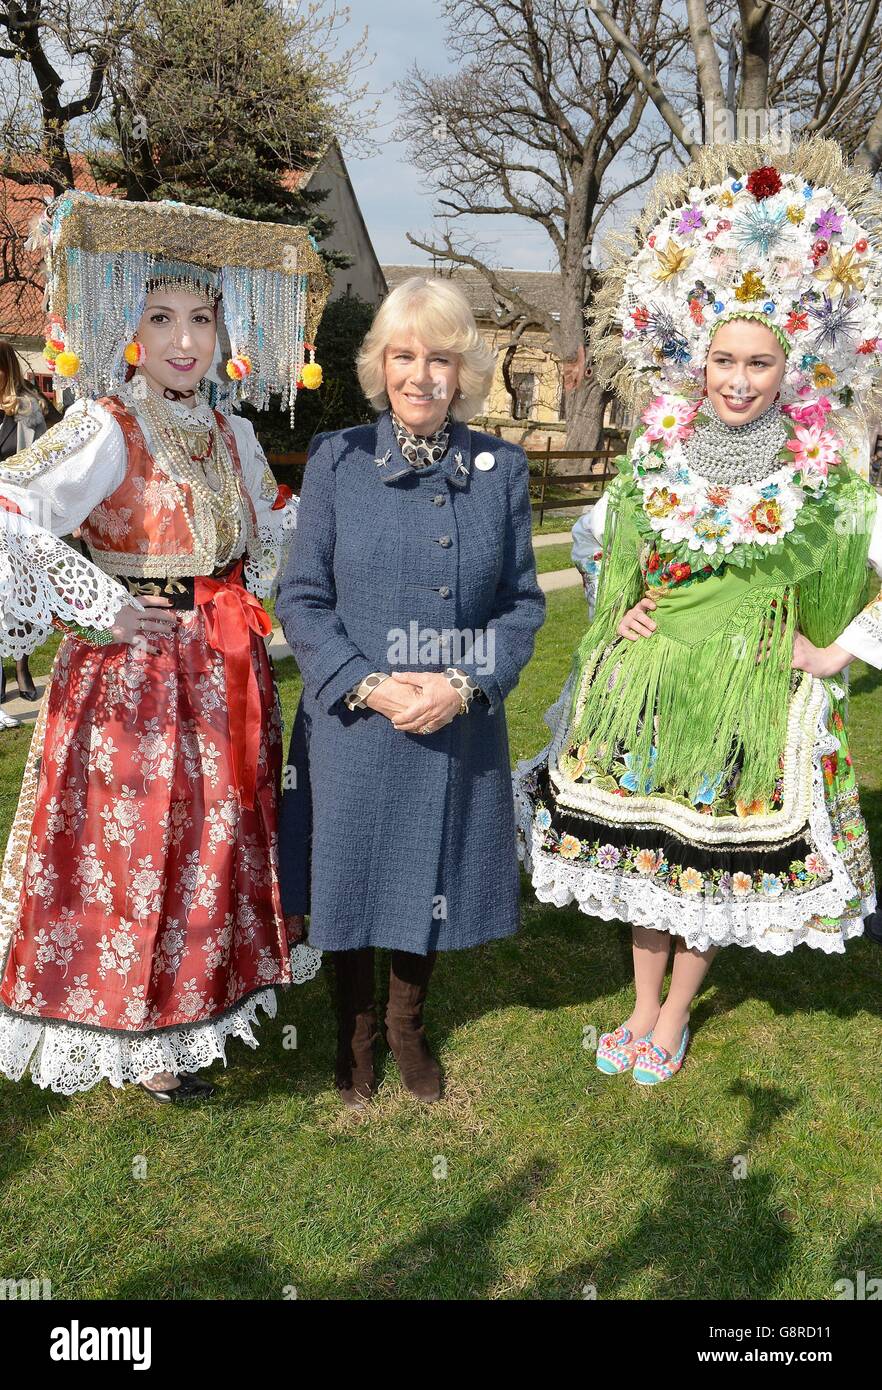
724	453
421	449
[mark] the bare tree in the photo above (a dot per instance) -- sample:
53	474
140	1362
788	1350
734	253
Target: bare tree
819	63
541	121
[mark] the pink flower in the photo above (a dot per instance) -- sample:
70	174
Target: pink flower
814	449
812	413
669	418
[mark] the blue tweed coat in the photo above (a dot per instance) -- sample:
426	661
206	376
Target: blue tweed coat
413	837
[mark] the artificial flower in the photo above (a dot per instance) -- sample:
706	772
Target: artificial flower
797	321
669	418
608	857
827	223
766	517
751	288
671	260
841	270
811	413
813	447
764	182
690	221
691	881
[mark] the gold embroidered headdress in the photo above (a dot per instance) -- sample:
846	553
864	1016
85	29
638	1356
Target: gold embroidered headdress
102	254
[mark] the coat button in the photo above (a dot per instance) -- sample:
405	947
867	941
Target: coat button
444	591
445	541
439	499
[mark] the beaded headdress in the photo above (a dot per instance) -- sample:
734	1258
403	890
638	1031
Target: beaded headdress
102	255
789	239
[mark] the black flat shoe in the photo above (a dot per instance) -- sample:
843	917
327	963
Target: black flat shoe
873	927
32	694
189	1088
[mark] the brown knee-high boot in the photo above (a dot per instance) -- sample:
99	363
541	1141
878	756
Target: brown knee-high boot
356	1025
408	985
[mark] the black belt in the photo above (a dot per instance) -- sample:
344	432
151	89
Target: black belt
178	588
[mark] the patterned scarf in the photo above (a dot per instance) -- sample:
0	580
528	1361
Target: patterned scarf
421	449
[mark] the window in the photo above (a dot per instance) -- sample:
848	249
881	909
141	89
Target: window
525	391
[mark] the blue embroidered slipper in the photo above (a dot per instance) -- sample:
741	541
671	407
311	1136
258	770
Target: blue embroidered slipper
656	1064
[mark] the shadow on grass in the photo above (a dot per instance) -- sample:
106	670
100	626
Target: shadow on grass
449	1258
704	1231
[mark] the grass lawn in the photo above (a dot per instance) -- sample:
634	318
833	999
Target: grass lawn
559	522
553	557
536	1176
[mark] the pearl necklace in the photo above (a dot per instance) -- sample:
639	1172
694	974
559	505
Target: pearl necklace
735	454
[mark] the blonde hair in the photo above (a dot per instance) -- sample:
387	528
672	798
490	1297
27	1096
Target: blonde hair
438	313
12	384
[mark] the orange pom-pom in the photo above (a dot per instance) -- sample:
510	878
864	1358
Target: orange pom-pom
239	367
134	353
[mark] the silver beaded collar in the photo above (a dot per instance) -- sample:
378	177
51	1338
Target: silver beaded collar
735	454
421	449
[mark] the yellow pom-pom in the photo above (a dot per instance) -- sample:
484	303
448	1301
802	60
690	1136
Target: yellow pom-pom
133	353
311	375
67	364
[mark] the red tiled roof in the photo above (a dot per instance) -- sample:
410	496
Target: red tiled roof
21	304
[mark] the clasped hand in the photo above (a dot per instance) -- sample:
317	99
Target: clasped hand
416	702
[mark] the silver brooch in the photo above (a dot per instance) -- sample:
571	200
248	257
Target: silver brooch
381	463
460	466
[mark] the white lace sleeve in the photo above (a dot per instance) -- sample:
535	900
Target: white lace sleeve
275	527
863	636
55	484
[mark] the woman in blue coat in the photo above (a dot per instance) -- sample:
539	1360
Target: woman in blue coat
411	604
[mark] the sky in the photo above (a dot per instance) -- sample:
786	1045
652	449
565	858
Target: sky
390	192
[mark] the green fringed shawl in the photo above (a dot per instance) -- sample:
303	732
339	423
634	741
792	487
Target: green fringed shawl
695	690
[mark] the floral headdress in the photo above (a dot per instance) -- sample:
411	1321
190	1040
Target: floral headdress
789	239
102	255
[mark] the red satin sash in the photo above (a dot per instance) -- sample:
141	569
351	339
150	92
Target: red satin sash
231	612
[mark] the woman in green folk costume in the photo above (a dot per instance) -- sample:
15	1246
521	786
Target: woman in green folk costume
698	783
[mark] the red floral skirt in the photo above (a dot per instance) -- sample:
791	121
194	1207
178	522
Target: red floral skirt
148	896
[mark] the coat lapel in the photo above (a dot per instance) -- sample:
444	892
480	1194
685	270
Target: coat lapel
393	467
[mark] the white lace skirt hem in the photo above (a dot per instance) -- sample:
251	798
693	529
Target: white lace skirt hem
65	1058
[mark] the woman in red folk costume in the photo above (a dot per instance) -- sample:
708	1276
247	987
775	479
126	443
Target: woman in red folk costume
140	917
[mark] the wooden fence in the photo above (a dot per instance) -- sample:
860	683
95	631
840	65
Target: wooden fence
547	488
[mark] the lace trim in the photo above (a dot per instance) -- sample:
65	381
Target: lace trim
67	1059
773	925
267	561
41	576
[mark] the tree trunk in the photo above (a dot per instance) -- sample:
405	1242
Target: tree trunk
755	50
706	60
585	408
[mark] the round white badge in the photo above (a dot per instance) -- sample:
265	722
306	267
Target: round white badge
484	462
